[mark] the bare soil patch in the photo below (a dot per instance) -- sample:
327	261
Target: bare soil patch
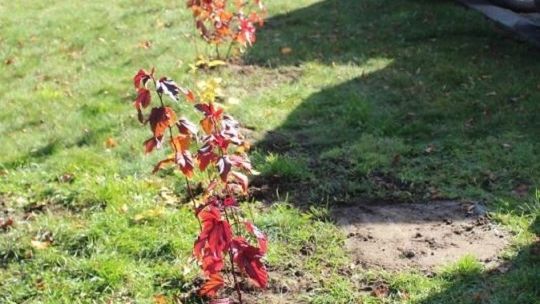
420	236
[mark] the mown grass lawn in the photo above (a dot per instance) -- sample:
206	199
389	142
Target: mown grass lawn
377	101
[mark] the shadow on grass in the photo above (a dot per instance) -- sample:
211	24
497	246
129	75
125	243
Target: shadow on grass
452	116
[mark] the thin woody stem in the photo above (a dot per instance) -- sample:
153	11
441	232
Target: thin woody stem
217	51
188	186
227	56
231	257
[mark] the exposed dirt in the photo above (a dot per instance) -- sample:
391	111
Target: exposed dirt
421	236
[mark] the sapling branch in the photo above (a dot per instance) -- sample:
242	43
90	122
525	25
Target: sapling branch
222	229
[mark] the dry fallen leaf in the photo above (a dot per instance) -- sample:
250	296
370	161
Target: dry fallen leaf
160	299
380	290
286	50
145	44
40	284
6	223
66	178
40	245
110	143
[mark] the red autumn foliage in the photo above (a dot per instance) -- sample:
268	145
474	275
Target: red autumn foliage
224	21
160	119
212	285
248	259
217	247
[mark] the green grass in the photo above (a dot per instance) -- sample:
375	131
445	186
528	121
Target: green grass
425	96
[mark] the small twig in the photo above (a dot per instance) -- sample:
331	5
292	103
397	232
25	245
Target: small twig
236	286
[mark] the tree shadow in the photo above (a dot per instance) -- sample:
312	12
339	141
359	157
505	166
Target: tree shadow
452	115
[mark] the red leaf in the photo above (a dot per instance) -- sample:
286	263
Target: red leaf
216	233
248	260
261	237
152	143
246	34
212	263
224	167
212	285
206	156
241	162
229	201
185	162
209	110
189	94
161	164
180	143
207	125
186	127
160	119
140	79
221	141
143	98
140	116
6	223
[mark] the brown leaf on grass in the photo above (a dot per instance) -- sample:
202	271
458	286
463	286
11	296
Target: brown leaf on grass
380	290
145	44
40	284
6	223
66	178
160	299
110	143
286	50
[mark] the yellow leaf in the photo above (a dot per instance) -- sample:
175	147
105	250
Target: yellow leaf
216	63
